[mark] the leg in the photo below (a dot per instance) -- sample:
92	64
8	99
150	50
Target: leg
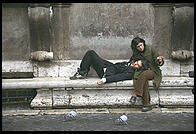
141	87
91	58
142	82
146	94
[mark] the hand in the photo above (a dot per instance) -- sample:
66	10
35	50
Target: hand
160	58
99	82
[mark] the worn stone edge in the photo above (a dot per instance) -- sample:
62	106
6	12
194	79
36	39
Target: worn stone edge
94	110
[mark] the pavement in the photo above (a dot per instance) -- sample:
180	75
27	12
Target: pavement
97	119
100	121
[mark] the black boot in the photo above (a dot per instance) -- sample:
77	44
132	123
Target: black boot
133	100
79	75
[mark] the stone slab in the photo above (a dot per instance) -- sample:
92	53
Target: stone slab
43	99
170	68
107	98
185	68
51	71
176	97
17	66
61	97
97	98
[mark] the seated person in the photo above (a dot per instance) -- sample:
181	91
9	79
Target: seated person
107	71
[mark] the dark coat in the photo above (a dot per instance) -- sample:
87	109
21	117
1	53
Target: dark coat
150	54
118	72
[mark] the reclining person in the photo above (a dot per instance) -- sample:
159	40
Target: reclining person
107	71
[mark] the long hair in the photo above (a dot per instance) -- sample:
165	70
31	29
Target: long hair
135	42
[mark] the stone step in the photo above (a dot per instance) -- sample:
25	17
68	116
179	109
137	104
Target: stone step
61	98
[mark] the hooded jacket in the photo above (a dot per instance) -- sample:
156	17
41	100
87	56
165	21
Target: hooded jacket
150	54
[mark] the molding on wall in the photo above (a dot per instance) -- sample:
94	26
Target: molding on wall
172	4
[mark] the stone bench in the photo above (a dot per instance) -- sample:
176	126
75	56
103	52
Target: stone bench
55	90
62	92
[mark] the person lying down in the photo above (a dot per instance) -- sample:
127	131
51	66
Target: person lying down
106	70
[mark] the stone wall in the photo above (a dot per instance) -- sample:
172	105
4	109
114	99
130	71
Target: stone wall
15	32
109	28
183	30
72	29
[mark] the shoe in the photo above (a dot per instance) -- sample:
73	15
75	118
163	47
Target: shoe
133	100
76	76
146	108
79	75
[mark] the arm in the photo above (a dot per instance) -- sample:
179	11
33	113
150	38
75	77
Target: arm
158	59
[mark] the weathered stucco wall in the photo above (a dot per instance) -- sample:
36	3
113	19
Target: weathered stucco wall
69	30
60	32
15	33
183	28
39	20
163	30
109	28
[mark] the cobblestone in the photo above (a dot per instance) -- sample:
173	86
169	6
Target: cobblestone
100	122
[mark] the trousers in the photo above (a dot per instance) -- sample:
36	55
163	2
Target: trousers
91	58
141	86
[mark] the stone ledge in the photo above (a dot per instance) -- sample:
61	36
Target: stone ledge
118	95
93	110
17	66
110	98
66	68
62	92
48	82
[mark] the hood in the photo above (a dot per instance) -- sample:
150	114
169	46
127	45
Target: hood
134	44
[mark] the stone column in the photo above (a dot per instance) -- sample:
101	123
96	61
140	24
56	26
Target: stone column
60	30
39	19
182	33
40	35
183	27
163	28
15	32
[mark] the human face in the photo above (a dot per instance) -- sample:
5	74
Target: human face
137	64
140	46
